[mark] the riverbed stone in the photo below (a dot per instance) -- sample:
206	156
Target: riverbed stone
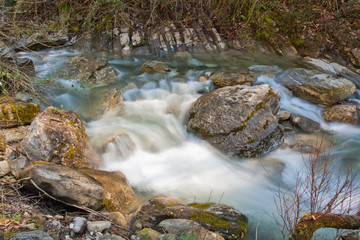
79	225
118	195
154	66
220	218
187	227
315	86
304	123
98	226
345	113
148	233
239	120
93	71
15	112
283	115
66	184
232	78
266	70
59	136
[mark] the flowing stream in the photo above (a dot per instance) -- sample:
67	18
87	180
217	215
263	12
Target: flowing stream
151	146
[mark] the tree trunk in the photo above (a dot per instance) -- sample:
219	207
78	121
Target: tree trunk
309	223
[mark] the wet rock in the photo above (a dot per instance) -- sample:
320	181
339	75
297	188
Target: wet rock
225	220
79	225
304	123
154	66
265	70
334	68
120	144
315	86
41	40
188	227
118	195
65	183
14	134
33	235
346	113
112	102
308	143
92	70
4	168
272	165
98	226
59	136
240	77
16	112
202	79
239	120
148	233
283	115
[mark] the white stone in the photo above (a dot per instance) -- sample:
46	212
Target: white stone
98	226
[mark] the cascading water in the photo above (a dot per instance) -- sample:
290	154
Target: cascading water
147	140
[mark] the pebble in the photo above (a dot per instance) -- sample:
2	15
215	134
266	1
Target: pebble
202	79
98	226
78	225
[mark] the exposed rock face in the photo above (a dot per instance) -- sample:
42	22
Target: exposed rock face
16	113
238	120
92	70
59	136
240	77
347	113
119	196
188	227
66	184
315	86
154	66
39	41
225	220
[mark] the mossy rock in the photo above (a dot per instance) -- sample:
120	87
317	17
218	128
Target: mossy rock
225	220
14	113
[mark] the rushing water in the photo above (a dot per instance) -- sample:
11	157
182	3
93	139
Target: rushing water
151	146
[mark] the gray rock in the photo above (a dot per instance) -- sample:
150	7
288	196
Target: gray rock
239	120
4	168
169	237
14	134
79	225
98	226
92	70
239	77
66	184
112	237
18	165
33	235
315	86
188	227
59	136
346	113
41	40
283	115
304	123
220	218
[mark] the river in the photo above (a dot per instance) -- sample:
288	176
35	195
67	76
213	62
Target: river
162	158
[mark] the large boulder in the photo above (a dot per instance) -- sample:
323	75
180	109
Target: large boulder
315	86
92	70
66	184
59	136
154	66
239	77
41	40
220	218
16	112
239	120
346	113
118	195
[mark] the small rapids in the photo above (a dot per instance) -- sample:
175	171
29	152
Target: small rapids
147	139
